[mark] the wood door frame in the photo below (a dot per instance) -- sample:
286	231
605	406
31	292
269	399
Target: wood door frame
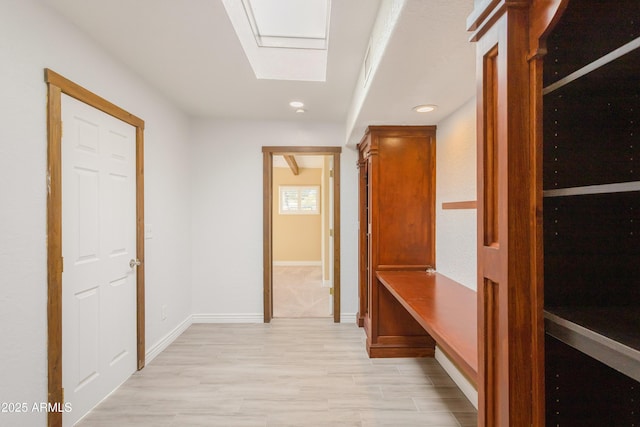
267	200
56	86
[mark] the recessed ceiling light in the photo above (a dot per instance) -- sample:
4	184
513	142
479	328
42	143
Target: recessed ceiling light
300	110
426	108
296	104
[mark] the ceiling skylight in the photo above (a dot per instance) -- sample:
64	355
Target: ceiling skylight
289	23
283	39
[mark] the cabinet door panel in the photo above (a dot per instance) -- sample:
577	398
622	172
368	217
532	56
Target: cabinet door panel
405	232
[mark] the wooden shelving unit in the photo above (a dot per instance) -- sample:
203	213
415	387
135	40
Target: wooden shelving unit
558	211
620	187
591	181
396	232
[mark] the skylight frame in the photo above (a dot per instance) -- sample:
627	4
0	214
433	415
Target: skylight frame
283	63
284	41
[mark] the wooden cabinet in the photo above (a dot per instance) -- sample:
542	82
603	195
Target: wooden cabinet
510	323
591	184
558	201
397	231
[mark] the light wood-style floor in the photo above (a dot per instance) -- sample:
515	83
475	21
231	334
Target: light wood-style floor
292	372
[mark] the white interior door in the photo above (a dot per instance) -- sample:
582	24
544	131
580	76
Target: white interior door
98	242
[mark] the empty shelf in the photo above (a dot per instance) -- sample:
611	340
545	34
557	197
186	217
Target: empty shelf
608	334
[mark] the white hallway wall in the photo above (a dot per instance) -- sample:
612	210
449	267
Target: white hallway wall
226	159
31	38
227	228
456	229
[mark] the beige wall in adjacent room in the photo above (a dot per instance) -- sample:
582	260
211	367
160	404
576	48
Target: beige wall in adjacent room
296	237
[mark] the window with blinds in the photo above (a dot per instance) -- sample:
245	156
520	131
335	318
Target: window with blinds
298	199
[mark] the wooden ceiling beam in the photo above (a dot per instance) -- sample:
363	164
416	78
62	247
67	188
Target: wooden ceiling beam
291	161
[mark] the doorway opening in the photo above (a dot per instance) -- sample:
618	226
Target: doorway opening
302	241
314	266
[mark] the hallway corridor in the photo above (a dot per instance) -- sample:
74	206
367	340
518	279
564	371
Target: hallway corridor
291	372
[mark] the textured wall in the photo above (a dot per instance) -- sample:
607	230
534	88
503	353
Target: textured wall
456	181
33	37
227	243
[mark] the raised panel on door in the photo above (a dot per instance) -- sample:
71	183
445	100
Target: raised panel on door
82	240
406	192
87	366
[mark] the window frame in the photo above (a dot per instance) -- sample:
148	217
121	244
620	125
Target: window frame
299	190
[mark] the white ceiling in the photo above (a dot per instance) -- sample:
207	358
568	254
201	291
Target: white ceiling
188	50
429	60
315	161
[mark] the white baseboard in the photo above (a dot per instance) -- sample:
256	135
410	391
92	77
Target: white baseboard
165	341
228	318
348	318
297	263
461	381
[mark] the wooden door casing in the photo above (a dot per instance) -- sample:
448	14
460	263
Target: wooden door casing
267	220
56	86
363	239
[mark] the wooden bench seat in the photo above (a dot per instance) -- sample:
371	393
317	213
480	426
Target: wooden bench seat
444	308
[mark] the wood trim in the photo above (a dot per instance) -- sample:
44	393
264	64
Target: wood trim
267	237
486	19
444	308
362	239
518	276
267	229
56	86
336	237
488	12
81	94
544	17
469	204
293	165
538	400
402	267
54	253
487	398
140	270
508	319
310	150
480	13
394	130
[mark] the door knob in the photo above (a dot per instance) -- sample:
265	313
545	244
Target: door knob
134	263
